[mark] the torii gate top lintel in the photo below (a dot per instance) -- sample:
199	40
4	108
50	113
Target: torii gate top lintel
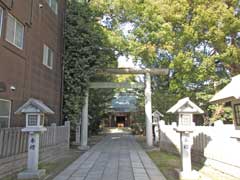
156	71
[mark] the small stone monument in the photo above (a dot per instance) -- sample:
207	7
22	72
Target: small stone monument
186	109
34	111
156	117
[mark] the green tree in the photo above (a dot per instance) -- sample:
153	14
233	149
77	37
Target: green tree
198	40
86	50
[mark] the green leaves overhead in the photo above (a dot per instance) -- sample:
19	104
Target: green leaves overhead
198	40
86	49
197	35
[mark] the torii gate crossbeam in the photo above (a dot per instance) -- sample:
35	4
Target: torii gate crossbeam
108	85
154	71
148	99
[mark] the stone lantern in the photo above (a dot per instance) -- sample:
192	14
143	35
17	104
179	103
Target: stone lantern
34	111
186	109
156	117
231	93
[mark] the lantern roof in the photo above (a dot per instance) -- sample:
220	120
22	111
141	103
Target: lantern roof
185	105
34	106
229	93
157	113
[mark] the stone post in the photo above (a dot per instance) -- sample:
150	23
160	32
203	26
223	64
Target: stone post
84	125
54	125
67	124
33	158
161	125
115	121
156	132
110	120
148	109
33	151
78	134
186	142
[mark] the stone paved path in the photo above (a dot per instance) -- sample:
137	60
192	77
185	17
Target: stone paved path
116	157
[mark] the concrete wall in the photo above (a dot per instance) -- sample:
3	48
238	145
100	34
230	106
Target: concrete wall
13	147
212	145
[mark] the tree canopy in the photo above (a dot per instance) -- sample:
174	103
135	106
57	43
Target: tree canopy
198	40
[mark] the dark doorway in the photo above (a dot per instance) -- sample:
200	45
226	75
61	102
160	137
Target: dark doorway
120	121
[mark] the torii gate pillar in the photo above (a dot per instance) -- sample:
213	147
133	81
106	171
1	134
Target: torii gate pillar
148	109
84	124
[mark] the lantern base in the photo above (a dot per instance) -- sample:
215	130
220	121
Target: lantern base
192	175
83	148
39	174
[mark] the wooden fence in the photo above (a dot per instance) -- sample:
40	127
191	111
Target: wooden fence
14	143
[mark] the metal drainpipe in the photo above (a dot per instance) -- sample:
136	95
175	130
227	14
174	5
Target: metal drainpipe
12	2
31	13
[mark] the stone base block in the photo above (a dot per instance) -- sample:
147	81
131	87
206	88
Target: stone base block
193	175
75	143
39	174
83	148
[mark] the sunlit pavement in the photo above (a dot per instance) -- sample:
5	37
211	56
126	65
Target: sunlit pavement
117	157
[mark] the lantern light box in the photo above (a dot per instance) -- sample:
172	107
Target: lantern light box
186	109
34	111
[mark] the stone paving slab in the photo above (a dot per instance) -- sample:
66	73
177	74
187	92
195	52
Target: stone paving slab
116	157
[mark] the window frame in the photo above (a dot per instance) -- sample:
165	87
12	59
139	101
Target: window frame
237	113
1	20
28	120
16	21
186	119
40	119
46	56
10	110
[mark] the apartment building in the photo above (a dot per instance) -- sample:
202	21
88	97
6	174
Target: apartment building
31	47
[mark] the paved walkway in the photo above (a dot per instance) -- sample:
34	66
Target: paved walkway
116	157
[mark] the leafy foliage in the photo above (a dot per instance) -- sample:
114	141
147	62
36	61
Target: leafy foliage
86	50
198	40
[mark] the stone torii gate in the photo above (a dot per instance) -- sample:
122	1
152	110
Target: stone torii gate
148	99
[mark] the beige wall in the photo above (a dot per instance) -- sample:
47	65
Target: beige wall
212	145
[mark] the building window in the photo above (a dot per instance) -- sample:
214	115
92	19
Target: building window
1	19
15	32
47	56
53	4
5	111
237	114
